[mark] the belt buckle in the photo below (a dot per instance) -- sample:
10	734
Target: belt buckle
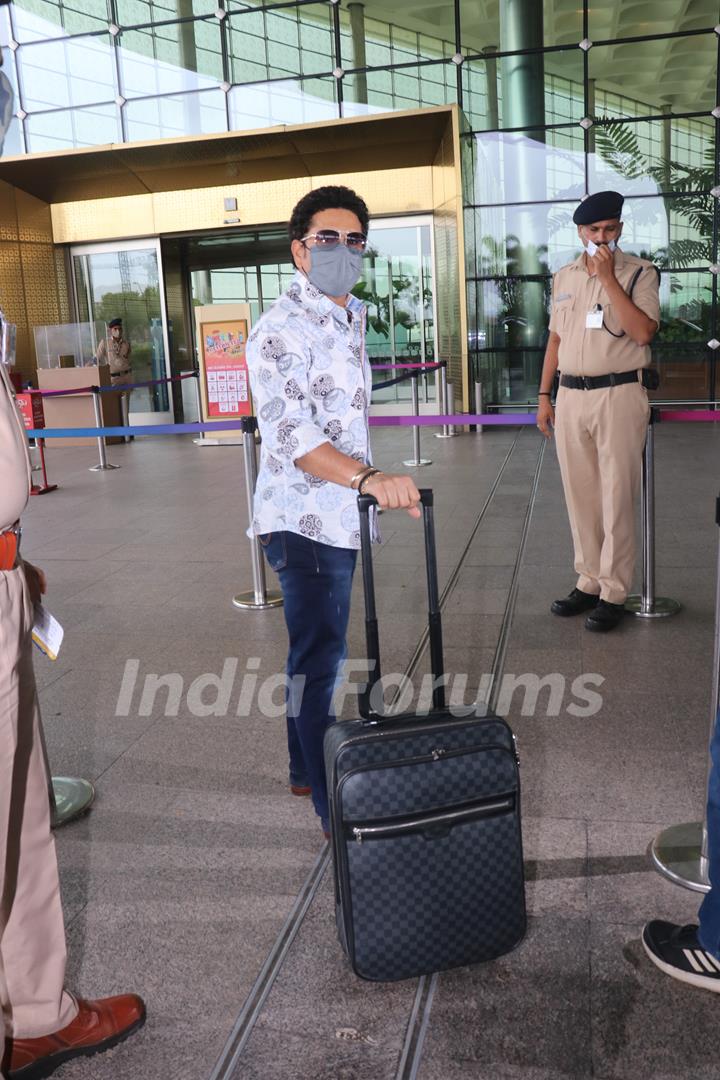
586	382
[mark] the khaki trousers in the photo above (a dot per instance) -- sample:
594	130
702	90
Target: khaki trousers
32	935
600	435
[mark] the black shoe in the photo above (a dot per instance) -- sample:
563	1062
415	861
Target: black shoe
677	951
605	617
574	604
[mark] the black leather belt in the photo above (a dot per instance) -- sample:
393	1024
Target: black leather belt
596	382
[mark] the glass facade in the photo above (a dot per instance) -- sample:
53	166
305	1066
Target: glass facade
557	99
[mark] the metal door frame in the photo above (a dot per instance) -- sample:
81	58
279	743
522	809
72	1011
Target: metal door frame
150	243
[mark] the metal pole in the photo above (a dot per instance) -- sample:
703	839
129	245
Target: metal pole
259	599
198	399
681	852
125	412
478	404
446	432
417	460
648	605
104	464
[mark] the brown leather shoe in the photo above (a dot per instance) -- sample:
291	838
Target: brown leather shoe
97	1026
300	789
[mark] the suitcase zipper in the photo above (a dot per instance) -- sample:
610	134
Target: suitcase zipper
454	817
438	753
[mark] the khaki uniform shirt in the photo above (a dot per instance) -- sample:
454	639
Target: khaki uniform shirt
575	293
14	459
115	353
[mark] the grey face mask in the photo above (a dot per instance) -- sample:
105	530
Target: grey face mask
334	272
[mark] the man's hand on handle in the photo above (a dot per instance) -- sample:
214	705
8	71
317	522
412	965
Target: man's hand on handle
394	492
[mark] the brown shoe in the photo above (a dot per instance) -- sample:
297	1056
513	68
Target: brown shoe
97	1026
300	789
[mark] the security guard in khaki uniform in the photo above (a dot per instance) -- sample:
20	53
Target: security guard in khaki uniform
605	313
115	351
43	1024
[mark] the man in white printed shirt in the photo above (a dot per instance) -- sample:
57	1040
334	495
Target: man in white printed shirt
311	385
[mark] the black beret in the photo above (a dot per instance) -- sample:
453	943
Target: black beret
599	207
115	322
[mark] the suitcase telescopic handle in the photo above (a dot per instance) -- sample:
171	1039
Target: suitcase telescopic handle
434	616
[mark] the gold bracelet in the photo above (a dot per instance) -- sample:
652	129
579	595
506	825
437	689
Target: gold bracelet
368	476
365	471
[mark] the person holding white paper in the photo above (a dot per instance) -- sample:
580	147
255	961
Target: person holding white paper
45	1025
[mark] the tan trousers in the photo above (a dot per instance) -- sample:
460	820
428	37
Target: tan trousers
600	435
32	935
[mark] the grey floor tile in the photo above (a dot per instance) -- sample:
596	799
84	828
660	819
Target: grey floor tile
496	1014
644	1024
178	881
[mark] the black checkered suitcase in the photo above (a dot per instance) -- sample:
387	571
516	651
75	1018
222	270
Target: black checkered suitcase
425	821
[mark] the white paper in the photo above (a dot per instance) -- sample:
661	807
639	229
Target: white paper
594	320
47	633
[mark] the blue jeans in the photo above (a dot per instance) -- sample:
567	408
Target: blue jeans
316	581
709	916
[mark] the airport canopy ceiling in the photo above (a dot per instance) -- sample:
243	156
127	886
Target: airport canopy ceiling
679	72
391	141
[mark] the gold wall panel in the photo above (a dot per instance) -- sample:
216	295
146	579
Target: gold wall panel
8	213
63	290
258	204
103	219
393	191
11	282
32	281
40	282
33	218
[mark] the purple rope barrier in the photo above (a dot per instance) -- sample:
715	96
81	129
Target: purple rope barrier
498	419
392	382
704	415
110	389
458	418
148	382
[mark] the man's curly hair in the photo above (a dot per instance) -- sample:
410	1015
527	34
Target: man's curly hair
332	197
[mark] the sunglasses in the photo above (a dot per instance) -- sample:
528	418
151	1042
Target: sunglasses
328	239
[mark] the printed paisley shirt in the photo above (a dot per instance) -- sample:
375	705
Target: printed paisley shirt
311	384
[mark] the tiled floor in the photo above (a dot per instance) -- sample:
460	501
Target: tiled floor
178	882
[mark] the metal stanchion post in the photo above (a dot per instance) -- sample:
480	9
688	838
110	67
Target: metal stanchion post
478	404
648	605
417	460
198	399
104	463
446	432
259	598
125	412
681	852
